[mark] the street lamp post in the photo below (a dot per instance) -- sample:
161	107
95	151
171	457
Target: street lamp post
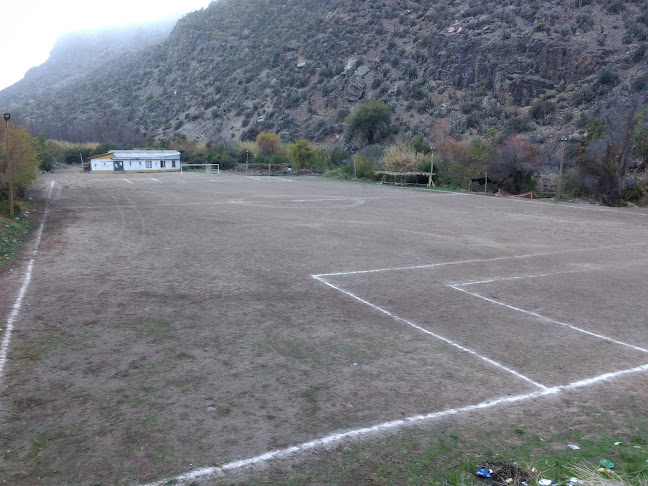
430	181
247	161
560	170
7	116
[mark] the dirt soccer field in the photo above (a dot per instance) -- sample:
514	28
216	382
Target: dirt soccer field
158	327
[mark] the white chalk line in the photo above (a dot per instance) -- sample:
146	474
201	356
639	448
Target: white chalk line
430	333
479	260
128	181
17	305
206	472
548	319
519	277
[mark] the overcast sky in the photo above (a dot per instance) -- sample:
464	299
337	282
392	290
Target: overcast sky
28	29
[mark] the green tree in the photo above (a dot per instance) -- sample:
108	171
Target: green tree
268	144
301	154
640	136
371	120
419	145
46	159
18	162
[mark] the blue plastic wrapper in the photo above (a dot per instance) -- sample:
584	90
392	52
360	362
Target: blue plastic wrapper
483	473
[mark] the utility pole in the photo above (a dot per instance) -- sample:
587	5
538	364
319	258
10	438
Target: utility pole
247	161
7	116
560	170
430	181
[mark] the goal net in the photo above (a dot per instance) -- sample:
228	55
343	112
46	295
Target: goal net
199	169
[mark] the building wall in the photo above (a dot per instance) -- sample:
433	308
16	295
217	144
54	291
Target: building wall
104	165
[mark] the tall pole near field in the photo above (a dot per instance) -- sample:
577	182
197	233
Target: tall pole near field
560	170
247	160
7	116
430	181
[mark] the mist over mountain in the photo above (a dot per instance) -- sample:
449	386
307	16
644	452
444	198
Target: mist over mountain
298	67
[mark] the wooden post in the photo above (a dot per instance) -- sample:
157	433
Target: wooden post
560	171
430	181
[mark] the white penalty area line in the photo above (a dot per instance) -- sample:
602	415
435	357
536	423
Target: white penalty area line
430	333
480	260
17	305
286	453
540	316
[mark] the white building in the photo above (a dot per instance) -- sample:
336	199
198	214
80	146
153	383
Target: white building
136	161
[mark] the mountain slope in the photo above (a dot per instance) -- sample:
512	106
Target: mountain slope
299	66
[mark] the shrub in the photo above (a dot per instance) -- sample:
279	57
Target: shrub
268	144
301	154
608	78
364	167
540	110
458	124
371	120
403	158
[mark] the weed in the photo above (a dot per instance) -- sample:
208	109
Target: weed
37	446
152	328
223	411
311	395
13	231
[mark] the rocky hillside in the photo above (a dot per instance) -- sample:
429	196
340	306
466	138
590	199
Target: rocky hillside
298	67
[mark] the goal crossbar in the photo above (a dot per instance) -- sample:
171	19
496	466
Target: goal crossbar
199	168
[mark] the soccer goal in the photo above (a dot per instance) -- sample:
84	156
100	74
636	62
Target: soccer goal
199	169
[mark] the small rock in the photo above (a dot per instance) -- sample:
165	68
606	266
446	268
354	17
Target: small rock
362	71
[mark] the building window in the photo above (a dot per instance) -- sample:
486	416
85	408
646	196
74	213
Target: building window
149	164
162	164
173	164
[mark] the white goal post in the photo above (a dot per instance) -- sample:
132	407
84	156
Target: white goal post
199	169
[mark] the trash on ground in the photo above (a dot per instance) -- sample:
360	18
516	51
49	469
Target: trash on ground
607	464
573	446
618	443
504	473
483	473
544	482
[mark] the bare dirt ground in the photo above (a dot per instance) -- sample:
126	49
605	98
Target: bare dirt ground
172	325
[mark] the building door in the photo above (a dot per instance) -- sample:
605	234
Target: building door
119	165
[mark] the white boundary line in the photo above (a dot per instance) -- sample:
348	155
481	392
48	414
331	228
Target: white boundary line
480	260
207	472
537	315
15	309
430	333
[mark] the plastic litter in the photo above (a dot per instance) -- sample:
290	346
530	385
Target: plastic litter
483	473
604	470
618	443
544	482
574	447
607	464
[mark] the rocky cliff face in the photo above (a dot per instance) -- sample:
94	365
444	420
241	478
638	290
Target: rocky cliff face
297	67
